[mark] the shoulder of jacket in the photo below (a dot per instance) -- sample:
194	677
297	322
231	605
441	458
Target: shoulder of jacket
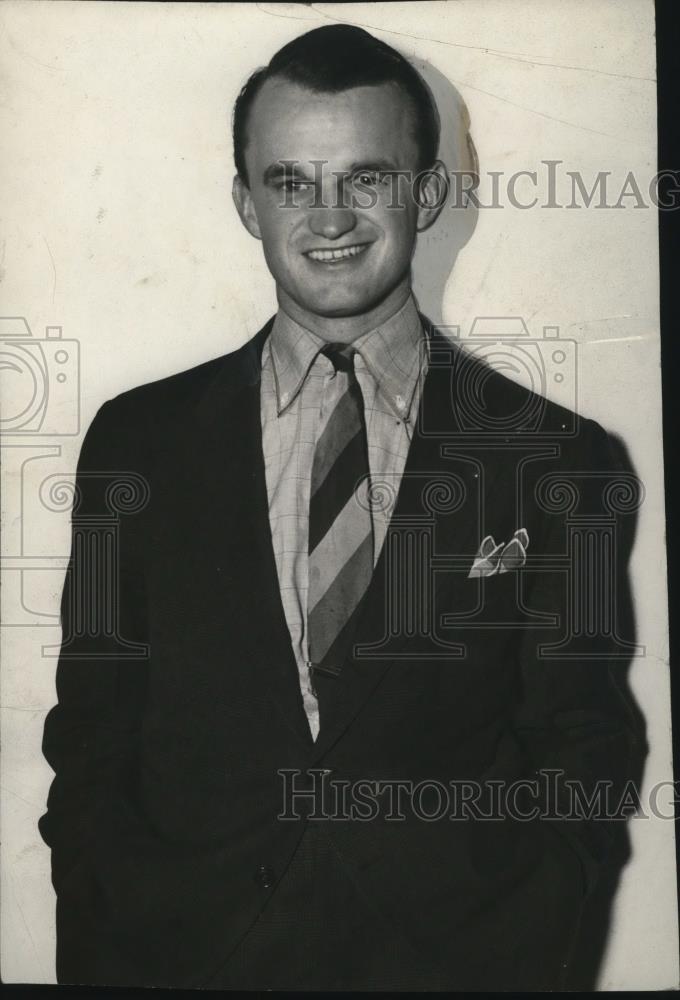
134	421
513	405
167	398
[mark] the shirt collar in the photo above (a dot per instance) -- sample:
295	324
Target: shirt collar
391	352
293	350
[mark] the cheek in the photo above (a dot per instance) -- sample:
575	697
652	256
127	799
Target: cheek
399	237
275	234
398	224
273	227
274	219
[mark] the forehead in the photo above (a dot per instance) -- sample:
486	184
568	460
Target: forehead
288	121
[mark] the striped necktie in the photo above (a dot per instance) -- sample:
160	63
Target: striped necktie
340	526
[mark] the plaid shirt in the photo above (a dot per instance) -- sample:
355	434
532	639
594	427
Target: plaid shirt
297	396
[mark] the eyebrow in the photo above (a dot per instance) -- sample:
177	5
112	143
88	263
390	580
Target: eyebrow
284	169
380	166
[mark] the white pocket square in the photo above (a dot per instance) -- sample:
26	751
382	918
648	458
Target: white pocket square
492	559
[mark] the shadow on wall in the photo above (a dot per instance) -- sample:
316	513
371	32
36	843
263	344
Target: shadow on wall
434	260
438	247
596	929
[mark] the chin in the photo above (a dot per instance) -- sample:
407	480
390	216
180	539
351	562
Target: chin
340	311
340	305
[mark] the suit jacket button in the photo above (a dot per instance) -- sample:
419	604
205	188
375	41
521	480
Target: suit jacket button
265	876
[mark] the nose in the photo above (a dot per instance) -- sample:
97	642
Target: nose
331	223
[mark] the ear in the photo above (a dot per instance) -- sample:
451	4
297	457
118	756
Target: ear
430	192
243	200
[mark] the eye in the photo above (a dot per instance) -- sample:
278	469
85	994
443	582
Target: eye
295	185
368	178
291	185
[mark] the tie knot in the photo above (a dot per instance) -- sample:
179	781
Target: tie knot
341	356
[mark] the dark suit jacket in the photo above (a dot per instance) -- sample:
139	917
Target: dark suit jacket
162	816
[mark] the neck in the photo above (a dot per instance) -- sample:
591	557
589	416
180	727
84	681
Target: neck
345	329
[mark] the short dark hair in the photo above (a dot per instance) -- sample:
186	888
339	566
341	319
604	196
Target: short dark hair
334	58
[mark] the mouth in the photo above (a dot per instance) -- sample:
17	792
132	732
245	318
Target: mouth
336	256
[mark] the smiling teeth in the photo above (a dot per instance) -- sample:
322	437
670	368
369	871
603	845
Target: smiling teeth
327	255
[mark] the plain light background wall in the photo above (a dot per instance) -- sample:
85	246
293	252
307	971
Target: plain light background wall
119	227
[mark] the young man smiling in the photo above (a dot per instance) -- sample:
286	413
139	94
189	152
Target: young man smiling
302	492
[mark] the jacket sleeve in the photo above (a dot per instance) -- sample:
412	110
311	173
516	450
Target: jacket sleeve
576	717
91	732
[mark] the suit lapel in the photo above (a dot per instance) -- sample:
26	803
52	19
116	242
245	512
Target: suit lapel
233	488
429	549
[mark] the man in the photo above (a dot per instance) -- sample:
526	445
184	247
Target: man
315	610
